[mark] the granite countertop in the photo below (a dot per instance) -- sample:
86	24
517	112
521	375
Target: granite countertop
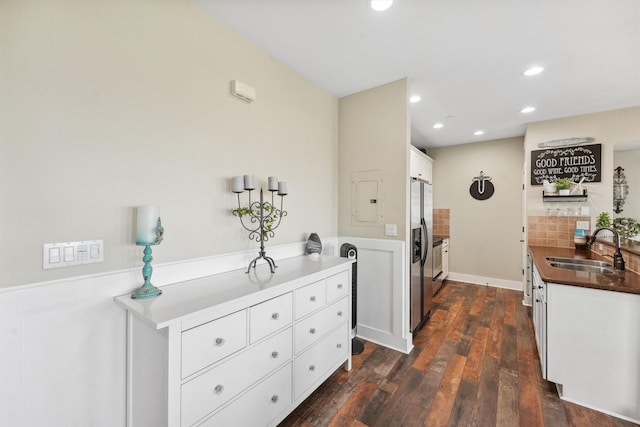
627	281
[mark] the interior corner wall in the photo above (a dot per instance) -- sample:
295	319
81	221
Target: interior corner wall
485	235
107	105
374	129
608	128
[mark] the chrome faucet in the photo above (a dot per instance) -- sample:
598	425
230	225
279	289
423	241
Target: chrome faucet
618	261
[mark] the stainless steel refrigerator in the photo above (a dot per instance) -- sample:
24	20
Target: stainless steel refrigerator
421	253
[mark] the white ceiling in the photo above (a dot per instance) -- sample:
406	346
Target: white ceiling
464	57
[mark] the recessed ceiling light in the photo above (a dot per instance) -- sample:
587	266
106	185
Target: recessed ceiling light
478	132
438	126
533	71
380	5
528	110
415	98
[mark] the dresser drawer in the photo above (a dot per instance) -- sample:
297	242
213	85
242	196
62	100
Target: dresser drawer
337	286
311	365
269	316
311	329
213	341
207	392
310	298
260	405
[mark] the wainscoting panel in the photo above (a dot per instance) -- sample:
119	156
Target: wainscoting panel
383	307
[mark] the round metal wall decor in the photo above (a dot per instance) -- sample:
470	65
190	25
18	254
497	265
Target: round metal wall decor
481	188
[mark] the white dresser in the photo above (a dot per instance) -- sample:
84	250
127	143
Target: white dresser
237	349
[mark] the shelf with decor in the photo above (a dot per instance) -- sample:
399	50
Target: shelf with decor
555	197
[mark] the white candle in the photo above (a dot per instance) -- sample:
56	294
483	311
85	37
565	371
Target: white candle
237	184
273	183
282	188
146	224
248	182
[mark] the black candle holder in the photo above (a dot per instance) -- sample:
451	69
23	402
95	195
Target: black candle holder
261	219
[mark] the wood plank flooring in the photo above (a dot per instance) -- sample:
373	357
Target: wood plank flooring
474	364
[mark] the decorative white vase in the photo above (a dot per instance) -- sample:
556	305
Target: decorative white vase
564	192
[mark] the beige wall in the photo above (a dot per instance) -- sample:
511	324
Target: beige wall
374	135
485	235
608	128
106	105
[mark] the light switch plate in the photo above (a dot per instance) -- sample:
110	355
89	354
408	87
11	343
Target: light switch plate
582	225
391	229
57	255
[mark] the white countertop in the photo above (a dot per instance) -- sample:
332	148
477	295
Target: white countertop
222	292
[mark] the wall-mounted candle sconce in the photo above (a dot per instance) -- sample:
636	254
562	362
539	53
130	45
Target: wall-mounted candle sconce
620	189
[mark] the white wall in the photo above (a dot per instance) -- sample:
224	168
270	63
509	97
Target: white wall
485	235
106	105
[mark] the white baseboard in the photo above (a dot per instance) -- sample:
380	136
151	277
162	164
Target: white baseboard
487	281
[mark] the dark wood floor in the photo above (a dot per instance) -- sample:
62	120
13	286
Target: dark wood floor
474	364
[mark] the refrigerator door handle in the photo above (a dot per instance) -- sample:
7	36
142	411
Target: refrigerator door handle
425	240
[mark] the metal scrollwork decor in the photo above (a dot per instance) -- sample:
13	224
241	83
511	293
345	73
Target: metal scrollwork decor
260	218
620	189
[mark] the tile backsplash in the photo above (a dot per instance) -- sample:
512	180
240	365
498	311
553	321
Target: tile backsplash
553	230
441	222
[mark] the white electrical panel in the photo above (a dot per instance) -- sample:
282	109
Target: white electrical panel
56	255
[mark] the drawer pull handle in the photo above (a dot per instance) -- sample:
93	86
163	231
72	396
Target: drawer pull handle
339	345
312	330
219	341
219	389
274	398
313	298
339	285
340	313
275	354
312	368
275	316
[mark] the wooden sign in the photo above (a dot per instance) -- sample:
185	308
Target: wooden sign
574	163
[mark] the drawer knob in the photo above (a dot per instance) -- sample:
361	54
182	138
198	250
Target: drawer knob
219	341
339	285
312	330
313	298
340	313
219	389
274	398
312	368
275	316
275	354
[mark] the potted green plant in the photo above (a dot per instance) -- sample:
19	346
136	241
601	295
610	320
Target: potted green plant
626	227
603	220
563	185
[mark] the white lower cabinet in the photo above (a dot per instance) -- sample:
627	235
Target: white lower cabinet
208	391
260	405
200	357
314	363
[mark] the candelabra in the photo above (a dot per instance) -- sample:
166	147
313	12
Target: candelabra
260	218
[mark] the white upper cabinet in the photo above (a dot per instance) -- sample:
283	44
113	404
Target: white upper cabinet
420	165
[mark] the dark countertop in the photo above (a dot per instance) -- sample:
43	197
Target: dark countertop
627	281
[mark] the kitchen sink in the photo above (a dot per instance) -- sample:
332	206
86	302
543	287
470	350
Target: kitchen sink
583	267
578	261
